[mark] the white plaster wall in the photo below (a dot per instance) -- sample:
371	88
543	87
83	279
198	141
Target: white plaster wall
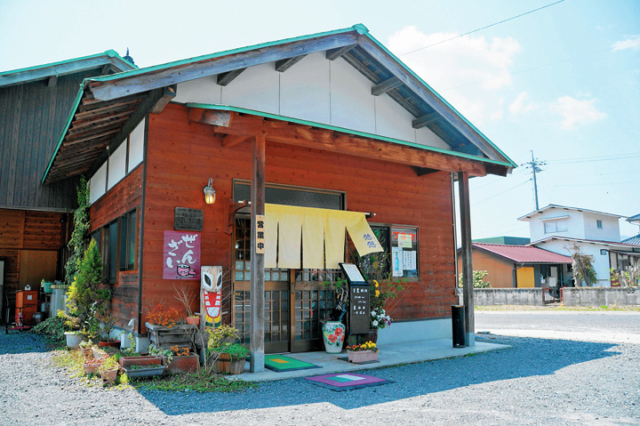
412	331
600	261
610	227
575	224
256	88
392	120
305	89
97	183
203	90
136	146
424	136
117	165
352	105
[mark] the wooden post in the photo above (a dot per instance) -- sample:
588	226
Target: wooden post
257	260
467	262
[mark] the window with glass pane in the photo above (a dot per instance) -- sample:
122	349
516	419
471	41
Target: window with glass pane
112	257
128	231
404	252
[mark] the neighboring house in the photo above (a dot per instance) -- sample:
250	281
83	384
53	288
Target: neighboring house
635	240
331	121
34	218
516	266
559	228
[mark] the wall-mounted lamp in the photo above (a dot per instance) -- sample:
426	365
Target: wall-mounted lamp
209	193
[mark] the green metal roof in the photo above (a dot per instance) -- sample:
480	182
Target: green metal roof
85	62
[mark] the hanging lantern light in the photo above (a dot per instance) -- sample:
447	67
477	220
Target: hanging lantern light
209	193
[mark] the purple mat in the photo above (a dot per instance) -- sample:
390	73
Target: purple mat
347	381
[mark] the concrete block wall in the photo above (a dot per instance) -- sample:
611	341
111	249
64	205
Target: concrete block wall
601	296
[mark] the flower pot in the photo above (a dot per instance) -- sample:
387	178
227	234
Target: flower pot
362	356
184	364
74	338
109	376
150	371
90	367
87	353
113	343
195	320
128	361
333	336
225	364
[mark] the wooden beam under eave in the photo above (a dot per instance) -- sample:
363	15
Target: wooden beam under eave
227	77
285	64
168	94
425	120
385	86
423	171
229	141
333	54
51	81
210	117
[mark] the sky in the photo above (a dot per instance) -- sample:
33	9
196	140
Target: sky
562	82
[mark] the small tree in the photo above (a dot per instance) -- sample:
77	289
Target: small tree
583	267
478	280
84	299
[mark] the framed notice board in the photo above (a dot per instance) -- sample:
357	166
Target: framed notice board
359	300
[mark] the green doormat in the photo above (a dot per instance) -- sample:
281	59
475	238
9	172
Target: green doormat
281	363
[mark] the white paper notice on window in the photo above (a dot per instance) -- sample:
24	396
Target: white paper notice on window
397	257
409	260
404	240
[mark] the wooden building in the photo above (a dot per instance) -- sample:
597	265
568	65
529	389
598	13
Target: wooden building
34	220
330	121
515	266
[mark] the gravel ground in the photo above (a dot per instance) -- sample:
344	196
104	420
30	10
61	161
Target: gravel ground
537	381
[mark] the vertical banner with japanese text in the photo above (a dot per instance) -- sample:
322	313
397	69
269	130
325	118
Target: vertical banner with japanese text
181	255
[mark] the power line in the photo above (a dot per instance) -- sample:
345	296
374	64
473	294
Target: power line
482	28
500	193
535	166
590	159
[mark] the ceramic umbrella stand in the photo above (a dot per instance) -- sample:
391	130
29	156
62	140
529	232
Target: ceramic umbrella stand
333	336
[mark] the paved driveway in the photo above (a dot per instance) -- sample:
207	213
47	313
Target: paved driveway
539	380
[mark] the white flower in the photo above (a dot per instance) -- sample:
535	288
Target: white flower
375	323
373	313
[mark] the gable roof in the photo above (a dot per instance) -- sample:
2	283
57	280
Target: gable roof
110	58
634	218
131	95
559	207
582	240
635	241
523	254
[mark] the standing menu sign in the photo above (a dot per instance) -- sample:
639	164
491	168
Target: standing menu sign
359	300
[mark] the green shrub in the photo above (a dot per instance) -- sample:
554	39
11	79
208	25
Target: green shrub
52	327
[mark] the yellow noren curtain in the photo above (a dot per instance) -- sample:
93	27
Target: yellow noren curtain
320	233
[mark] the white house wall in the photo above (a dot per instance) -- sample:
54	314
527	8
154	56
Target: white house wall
575	224
610	227
136	146
117	165
600	261
314	89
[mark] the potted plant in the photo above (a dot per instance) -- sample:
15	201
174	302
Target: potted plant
109	370
72	333
130	357
188	299
227	356
86	347
379	318
182	360
91	365
108	322
138	371
362	353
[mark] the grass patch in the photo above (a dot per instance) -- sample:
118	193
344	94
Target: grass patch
72	361
200	381
556	308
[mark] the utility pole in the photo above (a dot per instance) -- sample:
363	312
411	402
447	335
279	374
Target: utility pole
535	166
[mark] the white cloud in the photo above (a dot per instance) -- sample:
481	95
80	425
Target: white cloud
521	104
459	66
575	112
632	42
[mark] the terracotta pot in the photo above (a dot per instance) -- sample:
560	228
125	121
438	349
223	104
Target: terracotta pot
109	376
128	361
184	364
193	320
87	352
362	356
91	367
333	336
114	343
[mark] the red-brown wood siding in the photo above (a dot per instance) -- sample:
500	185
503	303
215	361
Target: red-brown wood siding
120	199
22	230
182	156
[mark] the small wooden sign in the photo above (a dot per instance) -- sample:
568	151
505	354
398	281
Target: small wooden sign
260	234
188	219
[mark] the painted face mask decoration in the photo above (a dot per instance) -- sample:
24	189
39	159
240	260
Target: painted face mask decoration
211	295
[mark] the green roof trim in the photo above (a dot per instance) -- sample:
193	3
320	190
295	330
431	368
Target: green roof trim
349	131
358	28
110	53
64	130
410	71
